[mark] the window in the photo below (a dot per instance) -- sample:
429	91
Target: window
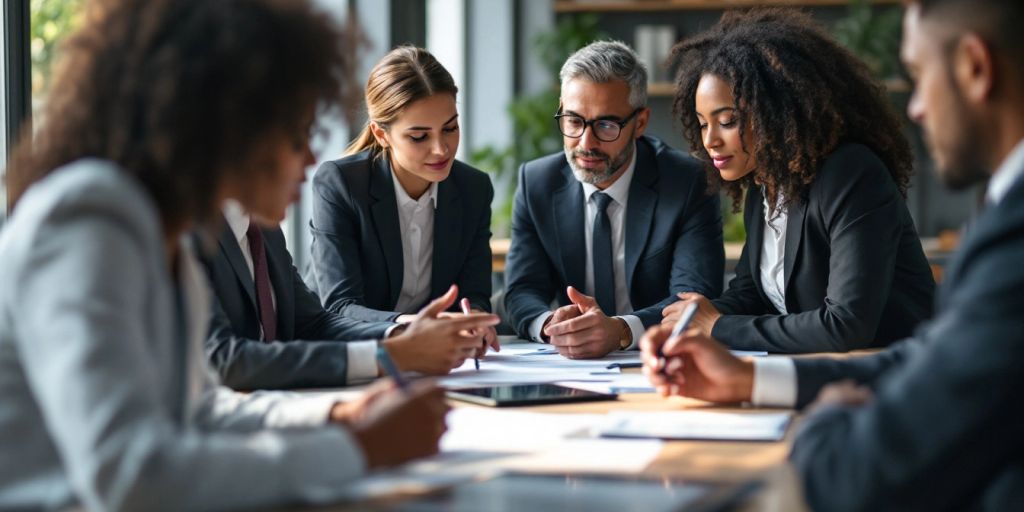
30	45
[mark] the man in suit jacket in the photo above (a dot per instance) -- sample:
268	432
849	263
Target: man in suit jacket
238	346
933	422
614	227
304	345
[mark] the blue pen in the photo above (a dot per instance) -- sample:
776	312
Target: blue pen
681	325
389	368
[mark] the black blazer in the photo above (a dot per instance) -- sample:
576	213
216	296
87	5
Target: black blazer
673	235
357	245
856	275
944	429
234	347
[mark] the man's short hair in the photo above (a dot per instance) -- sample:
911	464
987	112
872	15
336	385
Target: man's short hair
604	61
997	21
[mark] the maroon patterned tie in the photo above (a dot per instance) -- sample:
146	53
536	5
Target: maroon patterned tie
268	319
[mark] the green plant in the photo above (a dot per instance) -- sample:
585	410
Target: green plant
534	129
51	21
872	33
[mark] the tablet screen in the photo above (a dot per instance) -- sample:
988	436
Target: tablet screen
526	394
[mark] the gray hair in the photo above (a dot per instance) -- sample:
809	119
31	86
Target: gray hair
604	61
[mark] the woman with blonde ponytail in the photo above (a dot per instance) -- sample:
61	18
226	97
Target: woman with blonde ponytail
398	220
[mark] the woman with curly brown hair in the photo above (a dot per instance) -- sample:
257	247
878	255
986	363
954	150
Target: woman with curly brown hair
164	109
832	261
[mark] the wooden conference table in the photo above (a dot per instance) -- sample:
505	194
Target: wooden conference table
702	460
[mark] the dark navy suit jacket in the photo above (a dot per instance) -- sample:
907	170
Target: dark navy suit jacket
944	429
856	275
357	246
309	351
673	235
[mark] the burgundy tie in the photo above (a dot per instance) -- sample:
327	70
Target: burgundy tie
268	319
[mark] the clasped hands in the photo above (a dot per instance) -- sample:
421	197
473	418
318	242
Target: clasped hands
581	330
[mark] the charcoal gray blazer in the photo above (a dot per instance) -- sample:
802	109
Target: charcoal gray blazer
357	243
309	350
944	429
856	275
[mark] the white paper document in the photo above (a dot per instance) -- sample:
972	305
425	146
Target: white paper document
521	364
624	383
704	425
749	353
496	430
484	442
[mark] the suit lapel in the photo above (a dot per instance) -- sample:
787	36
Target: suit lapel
794	235
233	253
643	200
569	213
447	237
279	268
385	218
754	218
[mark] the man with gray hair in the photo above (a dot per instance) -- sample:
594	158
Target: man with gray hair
614	228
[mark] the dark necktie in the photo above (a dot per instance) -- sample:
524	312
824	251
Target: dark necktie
268	319
604	272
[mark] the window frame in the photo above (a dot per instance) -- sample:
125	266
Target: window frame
15	84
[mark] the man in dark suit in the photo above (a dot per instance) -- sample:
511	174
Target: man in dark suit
614	227
933	422
269	331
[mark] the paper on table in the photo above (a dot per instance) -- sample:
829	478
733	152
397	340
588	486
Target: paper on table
515	365
749	353
589	455
546	442
490	377
718	426
494	430
592	456
618	384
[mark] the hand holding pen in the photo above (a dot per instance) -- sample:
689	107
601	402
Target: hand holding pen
684	361
464	305
677	329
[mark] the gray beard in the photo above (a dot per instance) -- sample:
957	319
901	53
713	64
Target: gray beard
592	177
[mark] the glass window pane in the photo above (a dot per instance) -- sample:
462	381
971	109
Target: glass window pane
51	22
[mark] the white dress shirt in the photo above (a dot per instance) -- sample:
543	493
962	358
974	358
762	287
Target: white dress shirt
619	193
773	255
416	221
775	377
362	355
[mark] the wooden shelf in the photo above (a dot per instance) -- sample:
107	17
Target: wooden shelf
565	6
660	89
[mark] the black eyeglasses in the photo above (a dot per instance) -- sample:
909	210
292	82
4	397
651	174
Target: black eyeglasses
606	130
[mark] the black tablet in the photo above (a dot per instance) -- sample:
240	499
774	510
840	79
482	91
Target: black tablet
526	394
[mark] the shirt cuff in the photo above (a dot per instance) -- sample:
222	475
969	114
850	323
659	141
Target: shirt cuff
292	412
389	330
362	361
536	325
636	327
774	382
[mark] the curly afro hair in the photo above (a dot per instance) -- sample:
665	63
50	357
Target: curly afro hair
800	93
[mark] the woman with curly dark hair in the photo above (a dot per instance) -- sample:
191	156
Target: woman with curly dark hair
832	261
162	110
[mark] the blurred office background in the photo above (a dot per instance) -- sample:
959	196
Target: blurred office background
504	55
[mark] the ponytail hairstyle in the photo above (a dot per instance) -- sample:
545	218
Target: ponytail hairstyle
405	75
